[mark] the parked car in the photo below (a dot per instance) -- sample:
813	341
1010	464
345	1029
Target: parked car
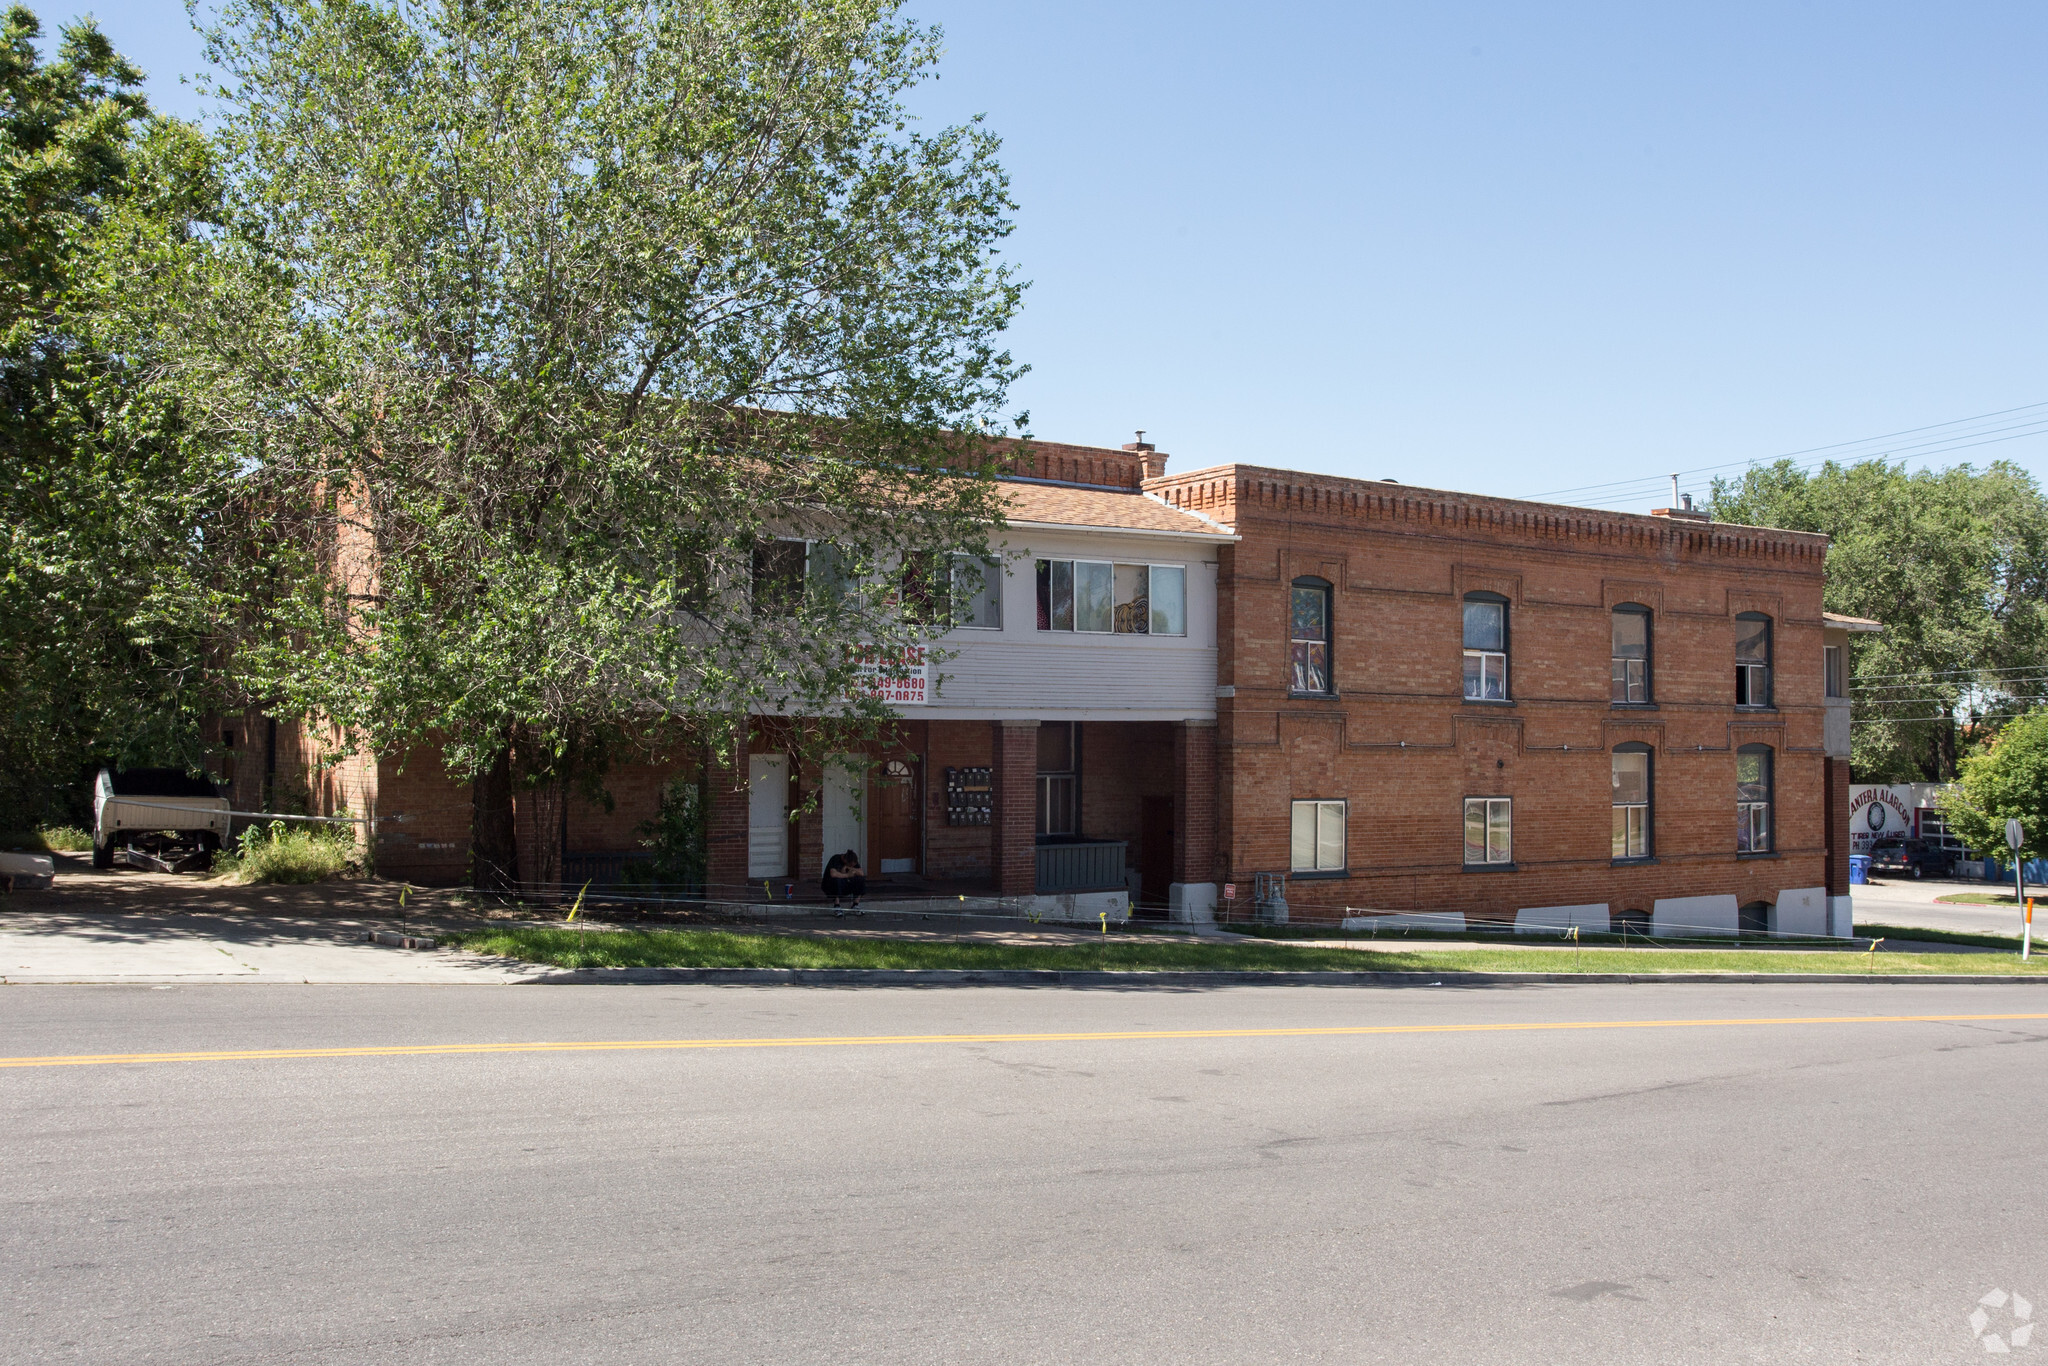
1912	858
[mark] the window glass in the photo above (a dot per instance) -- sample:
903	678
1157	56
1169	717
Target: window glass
1169	600
1317	843
1631	769
977	592
1753	799
1055	595
1752	660
1500	832
1485	626
1133	613
1302	847
827	573
1056	747
1631	655
1486	660
778	574
1831	667
1310	645
1092	586
1752	639
1489	830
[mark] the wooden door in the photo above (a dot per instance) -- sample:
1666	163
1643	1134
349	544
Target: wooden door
894	823
1155	848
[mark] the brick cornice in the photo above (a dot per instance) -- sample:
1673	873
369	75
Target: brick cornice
1234	494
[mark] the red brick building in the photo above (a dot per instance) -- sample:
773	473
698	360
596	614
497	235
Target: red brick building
1393	699
1443	703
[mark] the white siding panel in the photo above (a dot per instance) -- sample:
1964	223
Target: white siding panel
1104	678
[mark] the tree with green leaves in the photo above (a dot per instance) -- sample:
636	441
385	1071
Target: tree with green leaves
594	367
104	636
2007	781
1954	562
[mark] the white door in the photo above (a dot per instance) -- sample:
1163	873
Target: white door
846	817
767	815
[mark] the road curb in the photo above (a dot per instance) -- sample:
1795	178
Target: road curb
1059	977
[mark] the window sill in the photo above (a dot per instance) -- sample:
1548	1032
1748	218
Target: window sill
1488	701
1293	696
1752	707
1632	706
1633	862
1489	868
1757	854
1324	875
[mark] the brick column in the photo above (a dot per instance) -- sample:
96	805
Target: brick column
726	827
1014	752
1837	826
1194	791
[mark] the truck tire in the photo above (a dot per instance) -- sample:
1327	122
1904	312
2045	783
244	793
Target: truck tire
102	854
1919	871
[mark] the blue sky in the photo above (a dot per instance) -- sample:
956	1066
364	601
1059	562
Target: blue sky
1506	249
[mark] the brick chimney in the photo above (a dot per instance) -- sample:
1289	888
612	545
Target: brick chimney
1149	458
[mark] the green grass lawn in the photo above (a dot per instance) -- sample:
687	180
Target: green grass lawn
1914	932
606	948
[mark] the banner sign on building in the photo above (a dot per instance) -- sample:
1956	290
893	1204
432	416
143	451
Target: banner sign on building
1881	813
900	678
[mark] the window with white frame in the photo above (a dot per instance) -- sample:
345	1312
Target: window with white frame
1631	772
1752	660
1831	670
1309	637
1631	660
978	592
1489	831
1753	799
1486	647
1318	845
1098	597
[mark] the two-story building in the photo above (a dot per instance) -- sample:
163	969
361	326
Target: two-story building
1393	701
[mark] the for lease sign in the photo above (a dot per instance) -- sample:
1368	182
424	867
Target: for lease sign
900	678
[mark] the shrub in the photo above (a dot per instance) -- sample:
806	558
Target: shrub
278	853
56	839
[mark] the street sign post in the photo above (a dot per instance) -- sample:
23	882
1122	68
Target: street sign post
2015	836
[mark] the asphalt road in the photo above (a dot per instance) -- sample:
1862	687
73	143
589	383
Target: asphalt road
1713	1192
1902	901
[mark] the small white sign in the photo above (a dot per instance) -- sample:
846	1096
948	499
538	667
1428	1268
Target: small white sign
1230	891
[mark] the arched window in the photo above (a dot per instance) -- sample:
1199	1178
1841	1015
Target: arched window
1634	829
1752	660
1486	647
1309	638
1753	799
1631	653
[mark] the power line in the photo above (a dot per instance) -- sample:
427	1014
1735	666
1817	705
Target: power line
2035	427
1939	673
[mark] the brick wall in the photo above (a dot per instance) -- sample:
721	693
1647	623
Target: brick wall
956	851
1014	757
1194	835
1401	746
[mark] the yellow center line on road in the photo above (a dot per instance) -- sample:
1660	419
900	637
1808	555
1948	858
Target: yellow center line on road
867	1040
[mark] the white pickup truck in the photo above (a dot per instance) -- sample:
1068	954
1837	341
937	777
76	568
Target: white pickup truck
163	818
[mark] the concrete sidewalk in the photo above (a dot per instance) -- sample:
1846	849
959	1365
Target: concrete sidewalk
128	926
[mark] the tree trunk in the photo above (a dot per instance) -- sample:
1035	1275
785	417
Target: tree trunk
493	837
